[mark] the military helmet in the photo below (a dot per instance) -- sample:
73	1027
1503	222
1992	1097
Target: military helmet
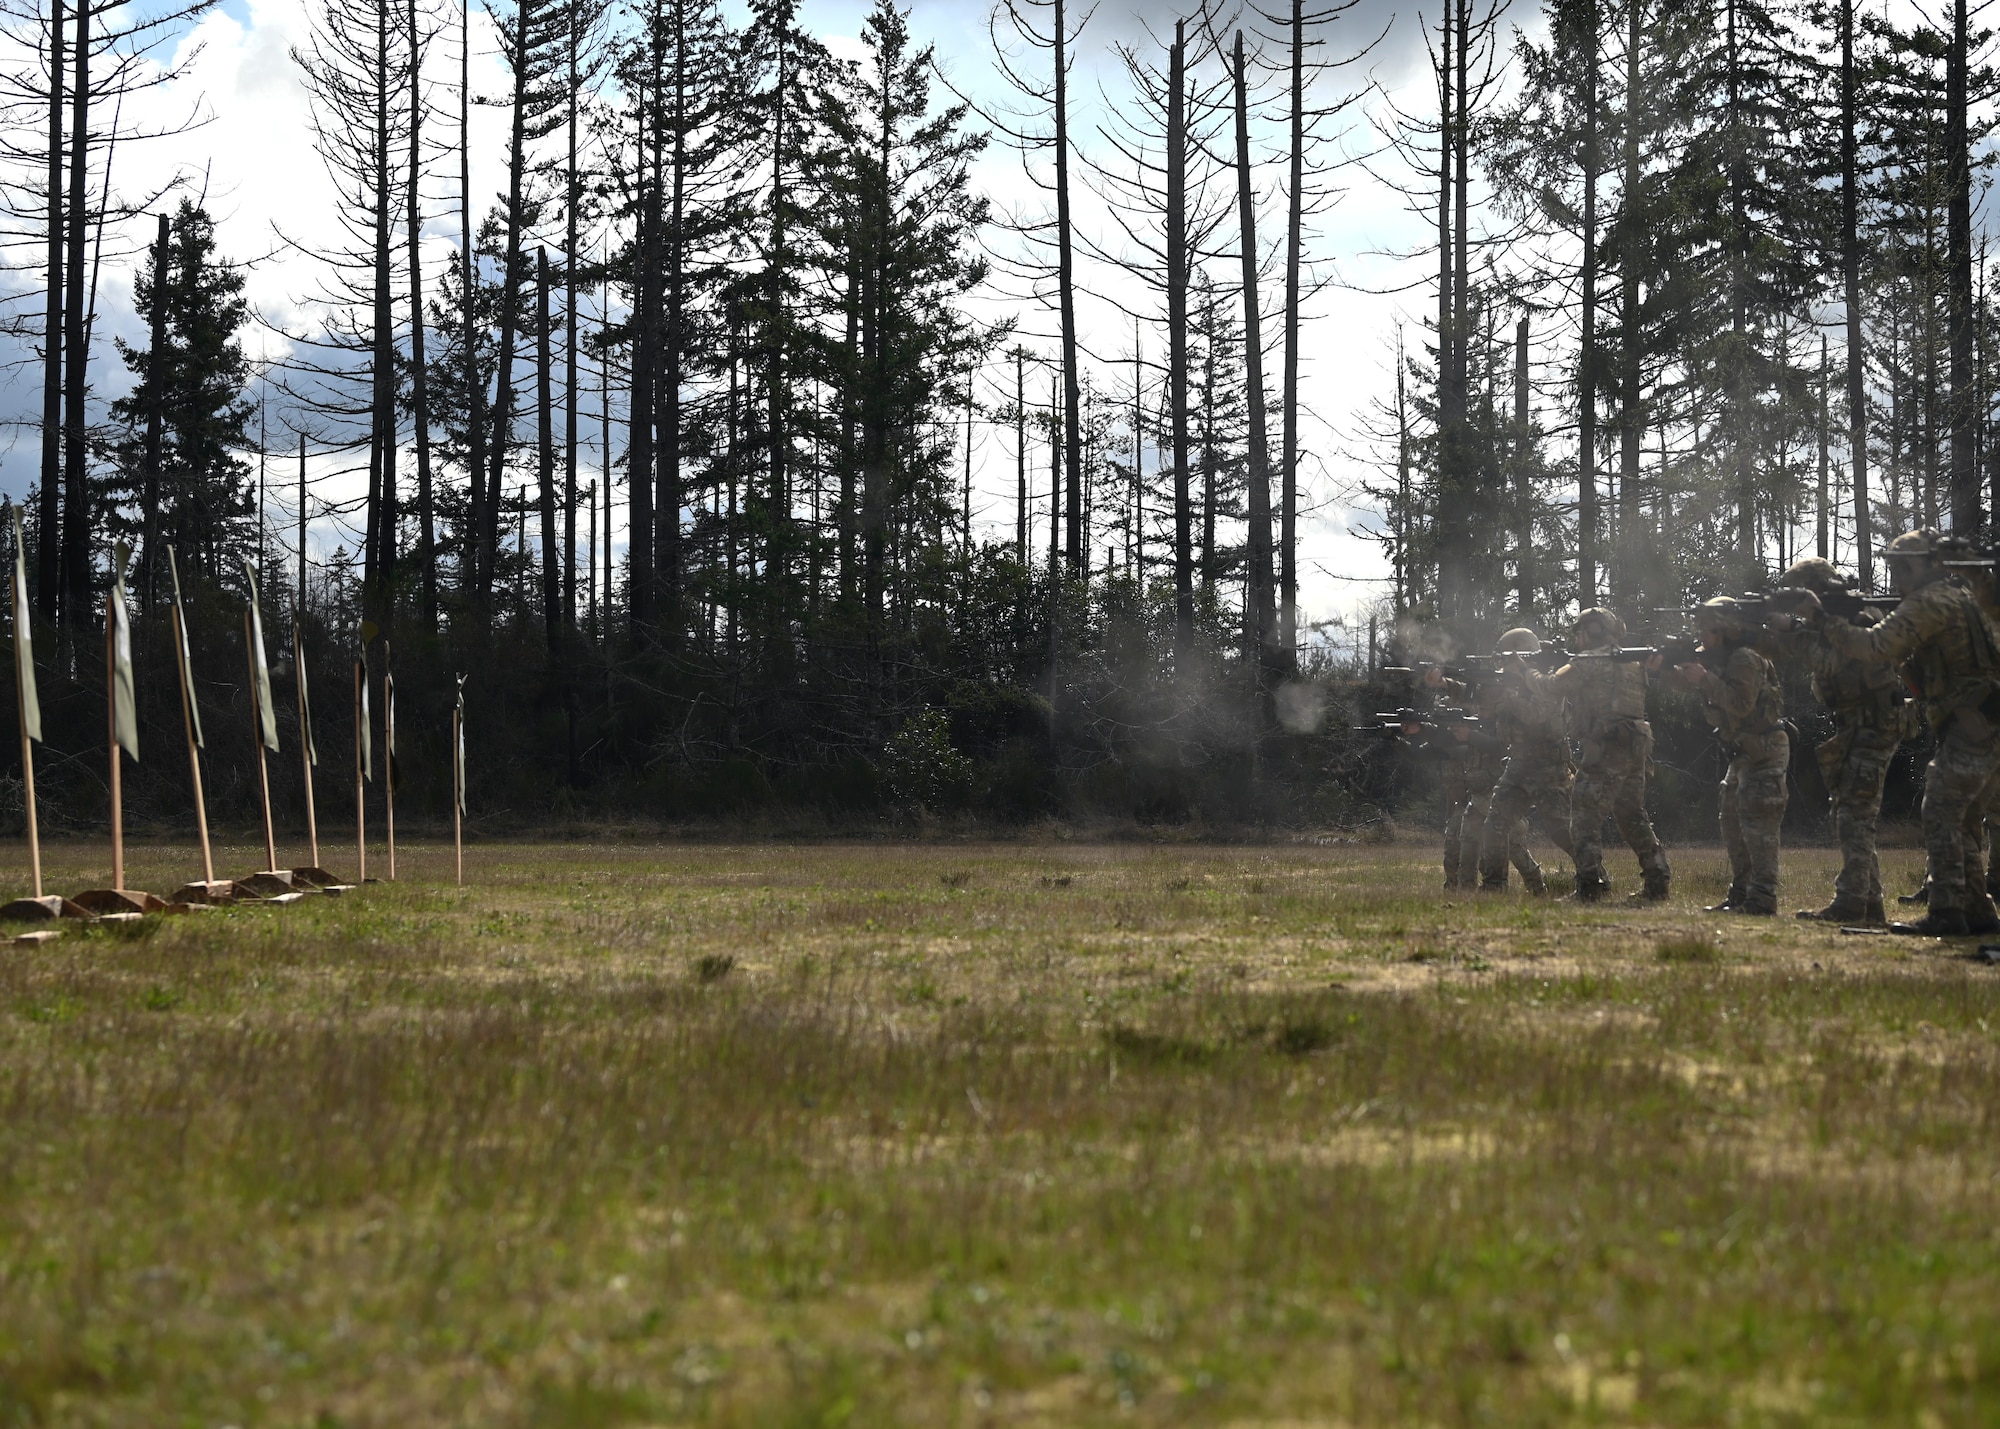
1519	641
1913	543
1599	626
1722	610
1814	573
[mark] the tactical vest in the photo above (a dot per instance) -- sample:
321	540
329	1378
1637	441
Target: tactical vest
1607	692
1961	665
1766	715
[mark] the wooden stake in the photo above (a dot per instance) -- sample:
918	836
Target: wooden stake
27	764
257	738
111	724
360	784
305	737
457	805
194	755
389	764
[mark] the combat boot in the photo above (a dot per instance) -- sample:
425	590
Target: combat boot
1840	912
1980	916
1937	923
1877	914
1758	908
1657	888
1921	896
1536	885
1590	890
1731	901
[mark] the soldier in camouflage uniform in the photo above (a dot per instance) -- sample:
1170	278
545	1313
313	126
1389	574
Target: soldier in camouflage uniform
1741	698
1872	717
1607	701
1471	765
1954	657
1526	710
1470	759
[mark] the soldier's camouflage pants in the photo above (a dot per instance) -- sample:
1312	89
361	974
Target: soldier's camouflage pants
1854	763
1466	830
1957	786
1612	782
1522	790
1753	809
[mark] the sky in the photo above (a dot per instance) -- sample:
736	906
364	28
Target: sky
251	156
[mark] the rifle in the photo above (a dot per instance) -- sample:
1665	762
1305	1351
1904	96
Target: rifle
1675	650
1848	603
1479	669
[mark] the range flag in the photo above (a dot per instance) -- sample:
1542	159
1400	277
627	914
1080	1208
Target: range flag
368	631
187	661
267	710
124	704
24	642
305	700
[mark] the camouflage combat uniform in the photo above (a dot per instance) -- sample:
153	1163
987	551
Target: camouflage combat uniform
1953	656
1873	717
1742	699
1607	701
1526	710
1472	766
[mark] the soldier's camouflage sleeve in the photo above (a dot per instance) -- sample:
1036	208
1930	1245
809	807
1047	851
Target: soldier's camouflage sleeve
1913	623
1735	690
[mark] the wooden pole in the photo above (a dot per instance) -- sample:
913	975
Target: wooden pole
257	738
305	739
389	764
360	785
457	801
111	724
27	760
194	755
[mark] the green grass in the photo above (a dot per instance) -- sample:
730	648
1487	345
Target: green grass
993	1134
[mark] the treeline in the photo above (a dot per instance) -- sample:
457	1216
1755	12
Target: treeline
1709	297
673	450
672	445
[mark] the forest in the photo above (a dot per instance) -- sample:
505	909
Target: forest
668	445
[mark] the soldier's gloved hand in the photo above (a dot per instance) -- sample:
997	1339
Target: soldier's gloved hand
1434	677
1692	672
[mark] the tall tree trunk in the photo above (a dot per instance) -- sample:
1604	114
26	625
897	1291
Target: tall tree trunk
473	585
77	604
510	296
420	400
545	463
1072	412
1264	630
1825	462
1288	502
1631	414
48	543
1966	513
572	262
1177	341
1459	445
673	348
775	376
1586	365
1743	468
1850	264
1020	458
156	412
640	453
379	574
1450	515
1524	491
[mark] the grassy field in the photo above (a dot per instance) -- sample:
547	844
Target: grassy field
1035	1134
